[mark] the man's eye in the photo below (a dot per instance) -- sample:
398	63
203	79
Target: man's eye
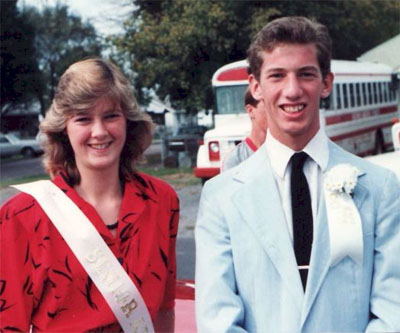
308	74
275	75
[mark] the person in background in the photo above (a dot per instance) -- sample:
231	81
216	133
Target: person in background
302	236
246	148
95	133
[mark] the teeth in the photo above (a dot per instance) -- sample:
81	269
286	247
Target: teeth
100	146
295	108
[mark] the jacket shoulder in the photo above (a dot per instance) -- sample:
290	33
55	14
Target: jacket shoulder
19	207
154	184
375	173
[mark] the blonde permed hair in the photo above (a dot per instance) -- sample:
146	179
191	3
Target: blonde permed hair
80	87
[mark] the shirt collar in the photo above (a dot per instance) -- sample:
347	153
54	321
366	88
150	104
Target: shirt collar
317	149
280	154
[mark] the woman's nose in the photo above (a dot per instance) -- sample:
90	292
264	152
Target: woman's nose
99	129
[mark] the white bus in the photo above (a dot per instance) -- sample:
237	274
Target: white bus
358	114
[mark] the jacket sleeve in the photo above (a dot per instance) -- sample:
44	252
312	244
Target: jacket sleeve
218	305
17	279
385	292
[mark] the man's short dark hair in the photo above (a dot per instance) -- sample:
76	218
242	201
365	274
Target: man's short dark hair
292	30
249	99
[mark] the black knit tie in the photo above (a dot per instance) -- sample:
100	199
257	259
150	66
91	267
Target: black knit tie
302	215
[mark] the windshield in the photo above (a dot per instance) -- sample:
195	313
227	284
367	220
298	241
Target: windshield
230	99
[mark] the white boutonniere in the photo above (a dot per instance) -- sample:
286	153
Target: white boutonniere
342	178
345	228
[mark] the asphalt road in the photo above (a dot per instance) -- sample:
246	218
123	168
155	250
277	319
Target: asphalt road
189	198
17	168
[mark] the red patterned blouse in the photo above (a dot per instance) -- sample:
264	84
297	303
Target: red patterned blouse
42	283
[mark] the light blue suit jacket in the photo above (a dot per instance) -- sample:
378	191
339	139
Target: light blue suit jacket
246	272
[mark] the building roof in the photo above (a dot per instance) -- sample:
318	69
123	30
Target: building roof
387	53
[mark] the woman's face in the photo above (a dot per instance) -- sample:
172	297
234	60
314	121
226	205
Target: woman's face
97	137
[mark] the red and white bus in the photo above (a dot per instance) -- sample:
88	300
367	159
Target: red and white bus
358	114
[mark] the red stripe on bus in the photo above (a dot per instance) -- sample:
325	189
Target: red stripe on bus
388	109
359	132
234	74
359	115
339	119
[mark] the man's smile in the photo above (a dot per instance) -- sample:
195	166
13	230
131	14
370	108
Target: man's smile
293	108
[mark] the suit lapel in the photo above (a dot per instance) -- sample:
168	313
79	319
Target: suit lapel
320	256
259	203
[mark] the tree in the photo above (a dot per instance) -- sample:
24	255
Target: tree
60	39
20	78
174	46
175	49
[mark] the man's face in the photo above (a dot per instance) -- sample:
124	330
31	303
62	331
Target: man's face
258	117
291	86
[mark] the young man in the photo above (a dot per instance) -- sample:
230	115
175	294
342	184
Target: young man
302	236
258	117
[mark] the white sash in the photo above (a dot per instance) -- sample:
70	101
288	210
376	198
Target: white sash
95	256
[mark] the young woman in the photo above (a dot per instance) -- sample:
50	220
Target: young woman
94	133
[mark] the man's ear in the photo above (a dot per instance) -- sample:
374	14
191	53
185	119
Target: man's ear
250	110
255	88
327	82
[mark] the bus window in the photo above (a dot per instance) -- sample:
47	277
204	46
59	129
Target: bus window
230	99
375	93
364	93
379	92
370	100
391	93
338	97
358	94
345	101
351	94
386	91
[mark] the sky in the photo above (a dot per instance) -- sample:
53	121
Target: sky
106	15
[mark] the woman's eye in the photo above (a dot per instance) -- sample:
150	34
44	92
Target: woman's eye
82	119
113	116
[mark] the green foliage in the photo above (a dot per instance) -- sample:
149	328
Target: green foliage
61	39
174	47
176	50
19	71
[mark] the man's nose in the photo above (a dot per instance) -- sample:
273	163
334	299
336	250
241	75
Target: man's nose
293	89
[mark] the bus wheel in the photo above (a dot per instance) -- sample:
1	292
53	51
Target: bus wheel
379	143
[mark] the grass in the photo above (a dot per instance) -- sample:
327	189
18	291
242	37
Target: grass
14	181
177	177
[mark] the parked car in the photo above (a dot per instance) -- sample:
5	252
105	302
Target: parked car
187	140
11	145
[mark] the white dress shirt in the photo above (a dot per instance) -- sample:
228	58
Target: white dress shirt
279	155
